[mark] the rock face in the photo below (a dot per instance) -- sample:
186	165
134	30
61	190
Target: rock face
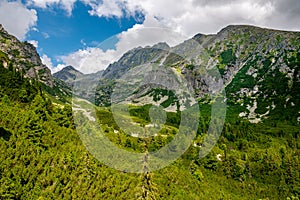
68	74
258	68
135	57
25	58
82	84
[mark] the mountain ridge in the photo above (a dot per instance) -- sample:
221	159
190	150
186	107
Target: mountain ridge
198	36
43	154
24	57
248	59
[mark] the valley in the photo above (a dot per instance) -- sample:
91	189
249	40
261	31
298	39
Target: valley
244	78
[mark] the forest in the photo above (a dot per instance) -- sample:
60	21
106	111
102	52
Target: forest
42	156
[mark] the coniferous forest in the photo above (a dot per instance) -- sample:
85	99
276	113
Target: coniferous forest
43	157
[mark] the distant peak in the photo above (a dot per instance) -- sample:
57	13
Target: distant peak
198	36
243	27
161	45
70	68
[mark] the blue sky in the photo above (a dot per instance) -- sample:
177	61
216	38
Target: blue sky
59	34
72	32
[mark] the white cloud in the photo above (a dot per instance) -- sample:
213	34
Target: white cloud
107	9
16	18
95	59
187	17
65	4
148	33
211	18
193	16
205	16
90	60
35	29
83	42
48	62
58	68
34	43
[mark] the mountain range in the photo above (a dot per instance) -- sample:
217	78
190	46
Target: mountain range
259	69
47	137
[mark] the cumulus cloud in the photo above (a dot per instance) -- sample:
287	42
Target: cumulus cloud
206	16
193	16
148	33
64	4
57	68
48	62
107	9
16	18
186	17
91	60
286	15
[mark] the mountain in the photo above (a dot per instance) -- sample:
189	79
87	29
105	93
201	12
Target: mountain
259	69
71	76
81	84
21	62
135	57
24	57
44	154
68	74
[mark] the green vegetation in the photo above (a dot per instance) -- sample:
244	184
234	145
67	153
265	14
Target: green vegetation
15	86
15	53
104	91
190	67
42	156
228	57
3	56
159	93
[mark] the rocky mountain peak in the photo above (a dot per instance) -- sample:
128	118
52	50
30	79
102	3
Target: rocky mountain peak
68	73
255	64
232	28
70	68
24	57
161	45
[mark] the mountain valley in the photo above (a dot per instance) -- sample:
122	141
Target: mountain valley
253	72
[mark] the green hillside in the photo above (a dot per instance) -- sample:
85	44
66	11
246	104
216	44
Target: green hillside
43	157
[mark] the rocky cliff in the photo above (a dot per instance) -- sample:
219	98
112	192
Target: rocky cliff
82	84
24	57
258	68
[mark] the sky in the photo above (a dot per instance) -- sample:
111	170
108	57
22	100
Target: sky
91	34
